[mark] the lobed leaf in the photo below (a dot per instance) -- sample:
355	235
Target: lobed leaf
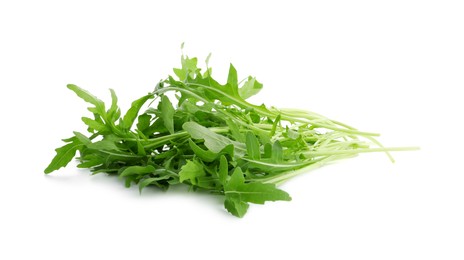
250	88
238	193
236	206
87	97
191	171
92	124
64	155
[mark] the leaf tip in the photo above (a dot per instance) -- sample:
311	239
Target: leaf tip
71	86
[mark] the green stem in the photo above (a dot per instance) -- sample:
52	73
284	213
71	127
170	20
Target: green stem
362	150
160	141
243	104
281	178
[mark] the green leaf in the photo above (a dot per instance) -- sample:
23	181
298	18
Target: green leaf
292	134
151	181
132	113
143	122
87	97
189	68
129	180
232	78
238	193
235	131
64	155
140	148
252	145
206	182
209	70
236	206
213	141
223	171
209	156
207	60
94	124
137	170
259	193
250	88
167	113
82	138
181	74
91	160
107	145
204	155
237	179
191	171
267	150
274	125
277	152
114	112
255	118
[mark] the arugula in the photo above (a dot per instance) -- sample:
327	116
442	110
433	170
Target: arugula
210	138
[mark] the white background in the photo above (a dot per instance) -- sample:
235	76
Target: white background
394	67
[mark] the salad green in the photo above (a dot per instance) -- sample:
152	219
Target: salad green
209	137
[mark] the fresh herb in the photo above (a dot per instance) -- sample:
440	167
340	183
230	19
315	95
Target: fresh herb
209	137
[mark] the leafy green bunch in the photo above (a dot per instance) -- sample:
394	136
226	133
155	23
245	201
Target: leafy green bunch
209	137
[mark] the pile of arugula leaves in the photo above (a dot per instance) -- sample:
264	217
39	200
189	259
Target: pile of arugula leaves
210	138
